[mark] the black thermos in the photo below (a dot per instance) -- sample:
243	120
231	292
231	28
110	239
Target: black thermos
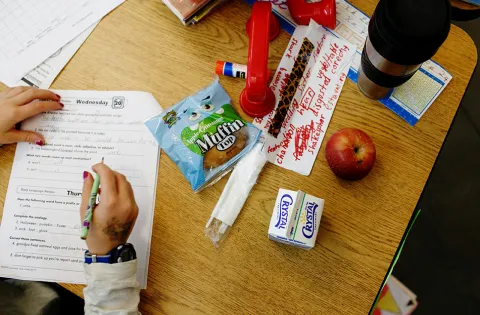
402	34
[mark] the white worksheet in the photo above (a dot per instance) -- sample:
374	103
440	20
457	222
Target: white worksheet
44	74
33	30
39	234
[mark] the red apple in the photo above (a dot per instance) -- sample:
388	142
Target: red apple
350	154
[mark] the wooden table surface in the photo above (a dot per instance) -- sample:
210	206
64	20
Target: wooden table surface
142	46
464	5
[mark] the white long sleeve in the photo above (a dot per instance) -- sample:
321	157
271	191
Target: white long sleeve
112	289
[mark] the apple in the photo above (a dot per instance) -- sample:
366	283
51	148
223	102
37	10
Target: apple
350	154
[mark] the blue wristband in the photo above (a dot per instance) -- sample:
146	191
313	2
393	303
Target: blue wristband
121	253
106	259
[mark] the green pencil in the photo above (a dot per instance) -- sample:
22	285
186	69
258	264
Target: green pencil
92	202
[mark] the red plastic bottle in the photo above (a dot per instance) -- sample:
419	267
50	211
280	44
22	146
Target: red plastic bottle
257	99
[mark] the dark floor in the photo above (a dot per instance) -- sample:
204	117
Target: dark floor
441	259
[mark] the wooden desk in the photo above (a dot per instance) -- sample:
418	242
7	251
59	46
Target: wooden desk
463	11
459	4
142	46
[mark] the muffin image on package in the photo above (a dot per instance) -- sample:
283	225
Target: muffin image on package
204	135
216	157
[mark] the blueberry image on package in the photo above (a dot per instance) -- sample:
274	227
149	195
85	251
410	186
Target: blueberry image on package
204	135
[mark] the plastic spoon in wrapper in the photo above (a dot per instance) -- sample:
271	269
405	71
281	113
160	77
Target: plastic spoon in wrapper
235	193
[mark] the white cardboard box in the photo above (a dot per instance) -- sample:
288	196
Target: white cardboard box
296	218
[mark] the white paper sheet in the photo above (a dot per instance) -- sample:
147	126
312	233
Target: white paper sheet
44	75
296	146
33	30
39	235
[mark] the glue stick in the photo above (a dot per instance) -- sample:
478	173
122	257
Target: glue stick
231	69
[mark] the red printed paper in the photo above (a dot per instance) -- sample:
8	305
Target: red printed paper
307	119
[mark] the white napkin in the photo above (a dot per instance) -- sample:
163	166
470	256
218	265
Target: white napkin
235	193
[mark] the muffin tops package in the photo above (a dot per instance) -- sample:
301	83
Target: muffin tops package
204	135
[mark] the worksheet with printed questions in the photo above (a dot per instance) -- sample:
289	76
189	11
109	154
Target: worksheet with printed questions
33	30
45	73
39	235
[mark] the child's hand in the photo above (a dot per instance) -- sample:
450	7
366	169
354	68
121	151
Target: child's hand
20	103
114	216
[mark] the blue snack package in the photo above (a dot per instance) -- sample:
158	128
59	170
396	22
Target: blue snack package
204	135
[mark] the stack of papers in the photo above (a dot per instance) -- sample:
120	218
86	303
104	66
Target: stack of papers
38	37
191	11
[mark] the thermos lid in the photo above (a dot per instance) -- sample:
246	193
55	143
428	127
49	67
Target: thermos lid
409	32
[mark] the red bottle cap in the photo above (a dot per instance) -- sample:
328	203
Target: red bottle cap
323	12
